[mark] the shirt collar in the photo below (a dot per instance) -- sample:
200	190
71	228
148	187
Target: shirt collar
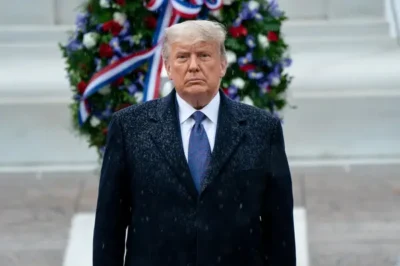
210	110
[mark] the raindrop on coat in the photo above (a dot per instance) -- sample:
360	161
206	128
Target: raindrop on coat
221	206
260	218
241	206
251	230
102	246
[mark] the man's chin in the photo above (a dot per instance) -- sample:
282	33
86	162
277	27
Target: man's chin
197	95
197	90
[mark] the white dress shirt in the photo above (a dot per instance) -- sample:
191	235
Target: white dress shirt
187	122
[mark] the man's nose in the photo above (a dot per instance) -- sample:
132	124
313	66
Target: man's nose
193	64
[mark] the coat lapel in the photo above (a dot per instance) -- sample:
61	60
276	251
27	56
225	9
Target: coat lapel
166	135
230	131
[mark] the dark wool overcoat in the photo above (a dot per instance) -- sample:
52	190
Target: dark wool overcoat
149	209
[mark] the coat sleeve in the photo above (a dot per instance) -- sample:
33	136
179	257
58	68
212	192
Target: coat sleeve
277	221
112	211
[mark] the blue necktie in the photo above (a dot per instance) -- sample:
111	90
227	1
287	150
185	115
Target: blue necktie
199	150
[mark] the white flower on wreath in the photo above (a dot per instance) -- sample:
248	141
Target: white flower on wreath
228	2
238	82
90	39
231	57
137	38
94	121
254	5
275	81
105	3
247	100
120	18
263	40
216	13
139	96
105	90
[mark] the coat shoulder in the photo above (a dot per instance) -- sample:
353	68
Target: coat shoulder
137	111
257	115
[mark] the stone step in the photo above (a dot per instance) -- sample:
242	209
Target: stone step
341	28
34	34
357	127
293	29
318	68
337	9
48	12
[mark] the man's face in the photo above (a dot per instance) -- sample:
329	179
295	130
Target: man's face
196	70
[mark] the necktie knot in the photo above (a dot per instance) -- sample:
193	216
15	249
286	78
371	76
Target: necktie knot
198	117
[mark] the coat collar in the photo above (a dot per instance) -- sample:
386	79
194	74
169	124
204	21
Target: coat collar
167	136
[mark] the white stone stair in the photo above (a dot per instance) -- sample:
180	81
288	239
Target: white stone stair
31	35
354	28
302	30
346	85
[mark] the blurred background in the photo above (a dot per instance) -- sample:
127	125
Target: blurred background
342	140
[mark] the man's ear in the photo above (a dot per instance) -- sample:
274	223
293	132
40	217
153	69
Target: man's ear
167	68
224	65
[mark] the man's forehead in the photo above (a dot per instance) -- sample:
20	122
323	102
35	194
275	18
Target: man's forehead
189	45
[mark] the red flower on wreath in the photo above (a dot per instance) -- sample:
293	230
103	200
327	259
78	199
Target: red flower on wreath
119	81
113	27
150	22
82	87
122	106
247	67
238	31
120	2
105	50
83	67
272	36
